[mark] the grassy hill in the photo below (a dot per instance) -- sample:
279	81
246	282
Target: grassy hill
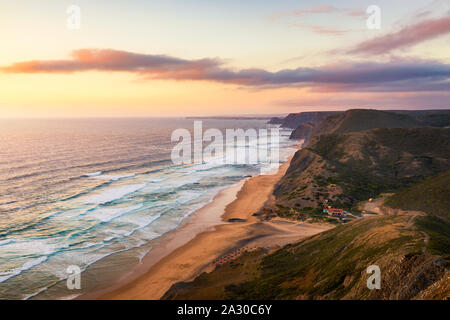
434	118
347	168
332	265
431	196
365	119
293	120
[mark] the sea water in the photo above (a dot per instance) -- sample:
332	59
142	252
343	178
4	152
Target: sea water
86	191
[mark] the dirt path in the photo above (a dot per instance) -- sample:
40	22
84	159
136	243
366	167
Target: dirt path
425	241
377	207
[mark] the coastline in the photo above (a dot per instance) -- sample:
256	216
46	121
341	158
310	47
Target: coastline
190	250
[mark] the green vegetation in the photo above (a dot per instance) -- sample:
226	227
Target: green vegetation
324	261
332	265
360	120
348	168
304	213
212	285
431	196
433	118
438	230
329	146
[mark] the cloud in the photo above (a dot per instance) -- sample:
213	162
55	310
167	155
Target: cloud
396	75
319	9
112	60
321	29
405	37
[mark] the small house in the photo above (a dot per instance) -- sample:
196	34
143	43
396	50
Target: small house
334	212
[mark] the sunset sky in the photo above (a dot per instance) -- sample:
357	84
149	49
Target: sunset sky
206	57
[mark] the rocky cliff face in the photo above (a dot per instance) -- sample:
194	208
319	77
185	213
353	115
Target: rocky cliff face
303	132
293	120
275	120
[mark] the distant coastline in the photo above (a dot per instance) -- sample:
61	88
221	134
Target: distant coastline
268	117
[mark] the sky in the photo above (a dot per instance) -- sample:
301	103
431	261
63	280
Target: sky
207	57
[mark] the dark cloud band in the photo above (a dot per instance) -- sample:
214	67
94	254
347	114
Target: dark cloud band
396	75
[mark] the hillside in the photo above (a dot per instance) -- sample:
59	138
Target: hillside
275	120
434	118
347	168
303	131
365	119
431	196
362	119
332	265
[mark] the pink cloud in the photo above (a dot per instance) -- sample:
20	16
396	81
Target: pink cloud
317	9
320	9
406	37
320	29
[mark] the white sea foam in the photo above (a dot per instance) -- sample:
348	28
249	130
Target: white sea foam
5	242
112	194
143	254
109	214
36	293
116	177
27	247
93	174
26	266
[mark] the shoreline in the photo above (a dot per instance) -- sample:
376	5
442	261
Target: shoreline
191	249
199	221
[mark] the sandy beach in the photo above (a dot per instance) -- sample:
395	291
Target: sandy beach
192	249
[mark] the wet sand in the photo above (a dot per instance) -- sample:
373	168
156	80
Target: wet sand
191	250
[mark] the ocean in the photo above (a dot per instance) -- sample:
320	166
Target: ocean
98	194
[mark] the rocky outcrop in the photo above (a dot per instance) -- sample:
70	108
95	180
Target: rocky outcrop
275	120
293	120
303	132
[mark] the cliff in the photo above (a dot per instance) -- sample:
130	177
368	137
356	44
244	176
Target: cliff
351	157
293	120
303	132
